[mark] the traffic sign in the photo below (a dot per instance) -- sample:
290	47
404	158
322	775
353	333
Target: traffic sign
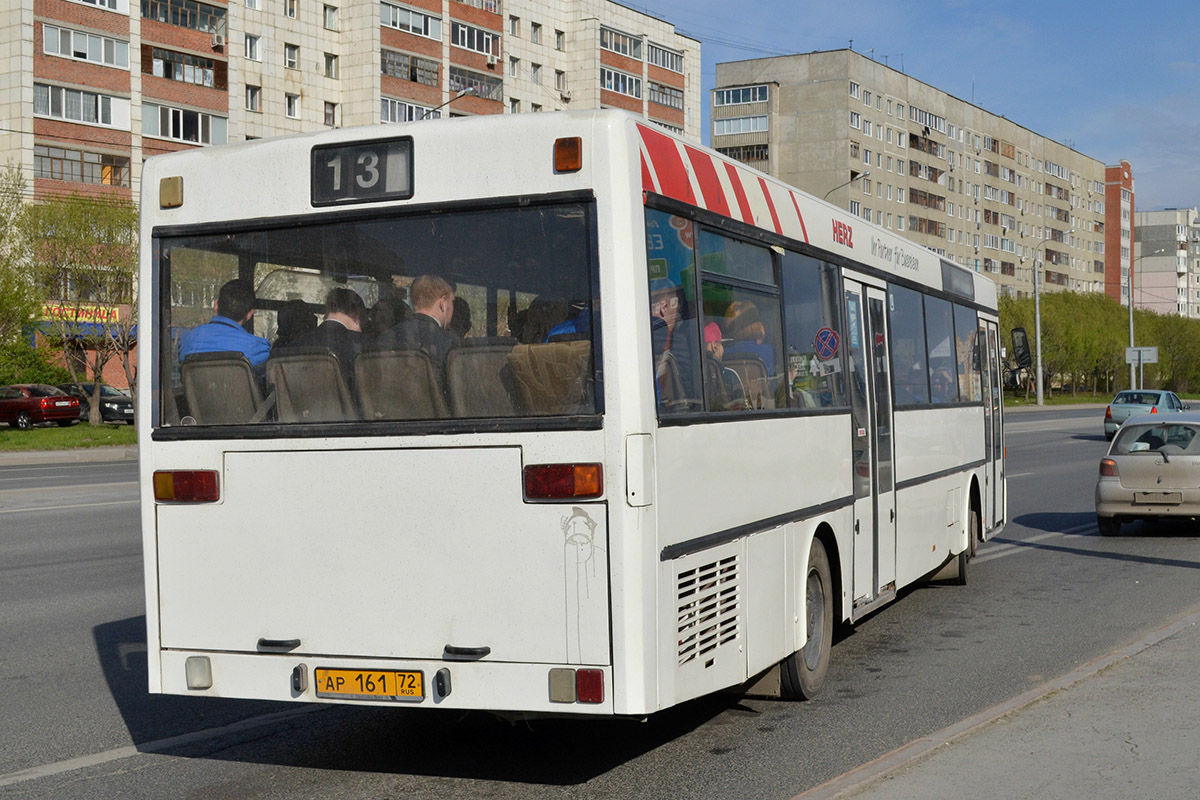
1141	355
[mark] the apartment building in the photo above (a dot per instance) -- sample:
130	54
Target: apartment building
968	184
1167	261
90	88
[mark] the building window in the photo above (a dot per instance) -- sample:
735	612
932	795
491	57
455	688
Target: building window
291	106
59	164
412	21
535	33
666	95
669	59
331	65
251	47
483	85
183	125
514	25
854	91
109	4
514	105
622	43
401	111
560	80
747	152
514	67
85	46
560	40
252	5
289	8
620	82
409	68
535	73
855	120
739	96
253	96
291	56
534	107
72	104
476	39
186	14
331	113
184	67
725	127
331	18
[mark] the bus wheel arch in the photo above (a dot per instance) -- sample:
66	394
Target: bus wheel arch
803	672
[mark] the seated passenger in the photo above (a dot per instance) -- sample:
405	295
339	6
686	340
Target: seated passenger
943	387
226	331
426	329
674	341
388	312
749	334
341	332
576	326
293	321
729	390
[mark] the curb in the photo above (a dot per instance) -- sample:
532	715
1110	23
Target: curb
83	455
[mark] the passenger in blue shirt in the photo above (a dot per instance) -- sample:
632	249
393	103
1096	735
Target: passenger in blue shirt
224	332
577	326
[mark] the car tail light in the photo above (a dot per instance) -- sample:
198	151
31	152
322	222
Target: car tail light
563	481
1108	468
186	486
1108	412
1154	410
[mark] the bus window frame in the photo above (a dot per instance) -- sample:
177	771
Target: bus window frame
448	426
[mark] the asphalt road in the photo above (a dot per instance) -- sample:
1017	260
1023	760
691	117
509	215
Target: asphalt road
1047	595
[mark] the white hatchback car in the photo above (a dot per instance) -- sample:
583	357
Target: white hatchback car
1151	471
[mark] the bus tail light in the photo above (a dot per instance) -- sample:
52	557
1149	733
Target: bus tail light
1108	468
563	481
186	486
568	154
589	685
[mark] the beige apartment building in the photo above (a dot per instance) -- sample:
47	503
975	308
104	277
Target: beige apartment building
1167	261
90	88
968	184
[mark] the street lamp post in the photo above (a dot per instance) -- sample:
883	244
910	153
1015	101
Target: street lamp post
1132	368
1037	317
458	94
863	174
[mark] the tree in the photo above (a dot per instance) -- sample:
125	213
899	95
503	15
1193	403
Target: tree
18	294
84	255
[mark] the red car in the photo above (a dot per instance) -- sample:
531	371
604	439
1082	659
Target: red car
27	404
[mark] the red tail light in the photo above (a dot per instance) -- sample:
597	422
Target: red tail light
589	686
186	486
1154	410
1108	412
1108	468
563	481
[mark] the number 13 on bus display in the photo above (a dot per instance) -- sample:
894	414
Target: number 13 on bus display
362	172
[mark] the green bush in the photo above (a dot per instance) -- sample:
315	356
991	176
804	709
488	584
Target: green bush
21	363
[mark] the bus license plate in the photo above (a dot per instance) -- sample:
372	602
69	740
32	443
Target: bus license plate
361	684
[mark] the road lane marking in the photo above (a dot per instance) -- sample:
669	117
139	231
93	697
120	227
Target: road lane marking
32	509
157	746
1000	549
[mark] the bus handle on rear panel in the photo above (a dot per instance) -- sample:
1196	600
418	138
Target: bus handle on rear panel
278	644
452	651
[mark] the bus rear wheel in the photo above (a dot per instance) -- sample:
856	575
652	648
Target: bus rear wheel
803	672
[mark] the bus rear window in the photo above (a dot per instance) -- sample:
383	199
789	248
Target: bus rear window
455	315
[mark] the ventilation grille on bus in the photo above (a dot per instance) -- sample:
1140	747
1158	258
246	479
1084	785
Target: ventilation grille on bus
708	608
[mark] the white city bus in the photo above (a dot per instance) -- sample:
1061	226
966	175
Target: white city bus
694	419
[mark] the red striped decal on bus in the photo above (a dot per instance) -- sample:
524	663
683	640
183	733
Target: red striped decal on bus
667	165
770	204
739	192
648	183
799	216
710	184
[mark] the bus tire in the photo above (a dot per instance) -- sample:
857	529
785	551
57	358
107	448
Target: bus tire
803	672
960	579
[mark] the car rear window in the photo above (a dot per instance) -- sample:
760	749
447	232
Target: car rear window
1136	398
44	391
1147	438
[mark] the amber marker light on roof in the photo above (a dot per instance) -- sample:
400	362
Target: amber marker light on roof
568	154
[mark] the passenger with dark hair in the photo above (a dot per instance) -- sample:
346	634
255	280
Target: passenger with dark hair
293	321
341	331
460	323
226	331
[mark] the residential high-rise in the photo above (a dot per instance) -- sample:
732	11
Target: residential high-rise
1166	275
971	185
90	88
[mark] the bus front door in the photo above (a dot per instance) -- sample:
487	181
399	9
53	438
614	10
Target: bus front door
871	420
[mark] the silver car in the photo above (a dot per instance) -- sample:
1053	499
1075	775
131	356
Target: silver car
1132	402
1151	471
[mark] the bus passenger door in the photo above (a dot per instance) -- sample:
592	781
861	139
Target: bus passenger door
871	416
993	392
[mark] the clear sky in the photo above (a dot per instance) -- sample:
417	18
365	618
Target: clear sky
1114	80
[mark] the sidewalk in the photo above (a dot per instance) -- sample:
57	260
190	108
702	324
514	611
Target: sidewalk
1126	725
11	458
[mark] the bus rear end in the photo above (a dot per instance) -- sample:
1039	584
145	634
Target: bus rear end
382	521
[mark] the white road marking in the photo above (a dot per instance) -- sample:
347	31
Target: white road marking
32	509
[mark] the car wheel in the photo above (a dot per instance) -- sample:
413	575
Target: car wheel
23	421
1109	526
803	672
